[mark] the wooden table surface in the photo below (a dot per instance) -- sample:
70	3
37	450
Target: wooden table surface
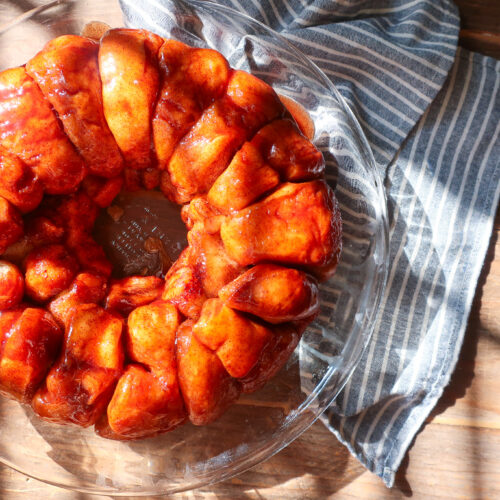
456	454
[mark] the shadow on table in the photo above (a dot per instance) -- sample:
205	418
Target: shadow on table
325	467
461	380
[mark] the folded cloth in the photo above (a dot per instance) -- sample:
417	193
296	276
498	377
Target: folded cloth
432	117
442	189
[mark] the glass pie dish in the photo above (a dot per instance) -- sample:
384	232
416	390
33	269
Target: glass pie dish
260	424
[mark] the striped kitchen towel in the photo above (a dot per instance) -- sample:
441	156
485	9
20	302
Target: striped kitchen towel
432	117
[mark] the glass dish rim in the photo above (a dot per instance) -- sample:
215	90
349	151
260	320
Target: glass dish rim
274	445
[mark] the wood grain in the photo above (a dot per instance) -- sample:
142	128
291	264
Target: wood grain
457	453
485	42
480	26
479	15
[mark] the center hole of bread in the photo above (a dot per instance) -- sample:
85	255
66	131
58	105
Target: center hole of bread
142	233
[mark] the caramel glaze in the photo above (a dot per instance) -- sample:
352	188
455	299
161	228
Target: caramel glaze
141	355
300	115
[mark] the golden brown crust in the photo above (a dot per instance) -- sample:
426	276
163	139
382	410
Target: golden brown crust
236	339
199	210
87	288
274	293
146	402
30	130
102	191
150	336
246	178
67	73
80	384
191	80
298	224
142	406
207	389
177	118
200	272
70	220
18	183
289	152
183	286
272	358
130	83
29	348
206	150
212	264
11	225
11	285
256	101
128	293
48	271
150	178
